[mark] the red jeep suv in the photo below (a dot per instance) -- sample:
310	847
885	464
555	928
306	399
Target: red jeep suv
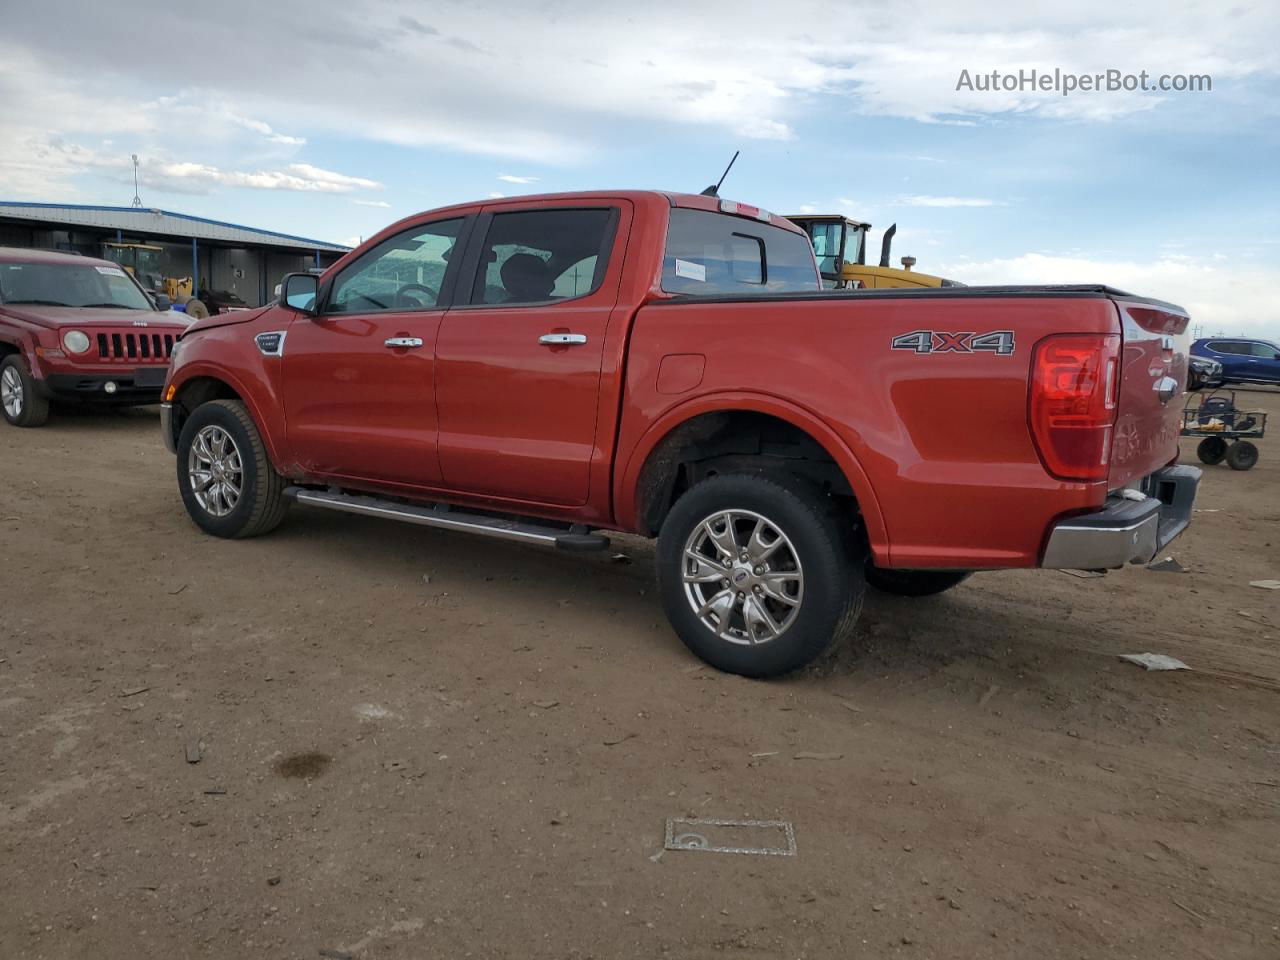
75	328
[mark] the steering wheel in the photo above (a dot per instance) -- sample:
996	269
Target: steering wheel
409	287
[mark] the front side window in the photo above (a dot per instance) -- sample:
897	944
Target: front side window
405	272
540	256
1221	347
713	254
70	285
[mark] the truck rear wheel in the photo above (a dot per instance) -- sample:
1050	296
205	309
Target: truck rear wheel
914	583
759	576
226	479
19	402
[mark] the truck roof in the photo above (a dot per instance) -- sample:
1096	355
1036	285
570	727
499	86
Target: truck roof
31	255
689	200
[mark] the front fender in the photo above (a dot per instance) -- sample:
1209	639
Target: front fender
254	384
627	480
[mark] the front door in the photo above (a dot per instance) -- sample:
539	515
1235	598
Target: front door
359	379
518	357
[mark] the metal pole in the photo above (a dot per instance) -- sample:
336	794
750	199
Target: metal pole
195	268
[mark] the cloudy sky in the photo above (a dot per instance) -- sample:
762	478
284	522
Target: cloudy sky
331	120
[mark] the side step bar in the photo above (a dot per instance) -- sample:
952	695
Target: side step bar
447	518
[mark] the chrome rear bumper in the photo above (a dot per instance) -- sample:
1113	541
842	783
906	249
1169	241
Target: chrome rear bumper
1126	530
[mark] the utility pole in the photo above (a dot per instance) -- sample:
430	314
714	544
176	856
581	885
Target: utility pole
137	200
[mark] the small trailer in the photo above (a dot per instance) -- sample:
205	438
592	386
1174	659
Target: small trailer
1227	430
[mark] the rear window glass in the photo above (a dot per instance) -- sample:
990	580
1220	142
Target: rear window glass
713	254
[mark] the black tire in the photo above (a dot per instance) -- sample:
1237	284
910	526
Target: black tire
819	535
1212	450
32	409
1242	455
261	503
914	583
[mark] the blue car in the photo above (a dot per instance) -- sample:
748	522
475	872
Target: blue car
1243	360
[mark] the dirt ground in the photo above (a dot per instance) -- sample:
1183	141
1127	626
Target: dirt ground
420	744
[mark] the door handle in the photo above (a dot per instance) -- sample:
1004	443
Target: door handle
403	342
562	339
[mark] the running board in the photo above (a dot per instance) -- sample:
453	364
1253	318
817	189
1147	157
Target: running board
443	516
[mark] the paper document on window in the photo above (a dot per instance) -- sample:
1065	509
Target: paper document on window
690	270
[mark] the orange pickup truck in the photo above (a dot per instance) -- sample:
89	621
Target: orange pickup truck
546	368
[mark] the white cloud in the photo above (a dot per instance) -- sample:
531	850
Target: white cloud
509	178
370	58
1221	297
296	176
921	200
372	203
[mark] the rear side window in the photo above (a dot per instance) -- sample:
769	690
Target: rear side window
539	256
713	254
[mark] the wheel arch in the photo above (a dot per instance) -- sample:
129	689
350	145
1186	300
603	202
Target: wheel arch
694	433
199	385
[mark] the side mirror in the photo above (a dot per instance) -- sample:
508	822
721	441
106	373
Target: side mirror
298	291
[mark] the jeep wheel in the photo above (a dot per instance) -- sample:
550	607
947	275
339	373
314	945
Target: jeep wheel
914	583
759	577
19	401
227	482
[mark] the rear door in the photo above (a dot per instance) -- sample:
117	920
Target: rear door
359	379
518	357
1263	362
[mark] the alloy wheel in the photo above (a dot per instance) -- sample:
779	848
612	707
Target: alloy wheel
11	392
215	470
742	577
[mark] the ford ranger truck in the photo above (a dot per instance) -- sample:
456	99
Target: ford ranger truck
78	330
546	369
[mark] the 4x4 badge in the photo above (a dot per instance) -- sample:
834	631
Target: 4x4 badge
999	342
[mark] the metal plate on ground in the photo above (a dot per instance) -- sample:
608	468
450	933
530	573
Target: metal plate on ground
775	838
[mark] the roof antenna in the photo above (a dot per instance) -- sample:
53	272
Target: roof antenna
714	191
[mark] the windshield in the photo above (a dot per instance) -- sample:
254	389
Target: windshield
70	285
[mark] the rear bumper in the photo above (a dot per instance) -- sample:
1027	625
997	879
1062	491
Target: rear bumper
1125	530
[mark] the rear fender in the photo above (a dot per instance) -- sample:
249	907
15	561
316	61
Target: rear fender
627	481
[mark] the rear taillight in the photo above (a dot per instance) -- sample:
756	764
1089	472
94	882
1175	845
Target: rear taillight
1075	381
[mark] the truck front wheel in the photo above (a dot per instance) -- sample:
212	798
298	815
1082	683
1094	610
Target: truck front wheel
759	576
226	479
914	583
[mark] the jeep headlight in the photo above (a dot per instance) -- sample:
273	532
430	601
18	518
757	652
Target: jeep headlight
76	341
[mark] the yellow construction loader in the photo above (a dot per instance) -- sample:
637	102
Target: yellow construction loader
840	245
142	260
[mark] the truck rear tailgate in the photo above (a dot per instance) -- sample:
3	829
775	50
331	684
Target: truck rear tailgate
1153	379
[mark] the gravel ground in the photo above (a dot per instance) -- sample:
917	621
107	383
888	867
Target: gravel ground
411	743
